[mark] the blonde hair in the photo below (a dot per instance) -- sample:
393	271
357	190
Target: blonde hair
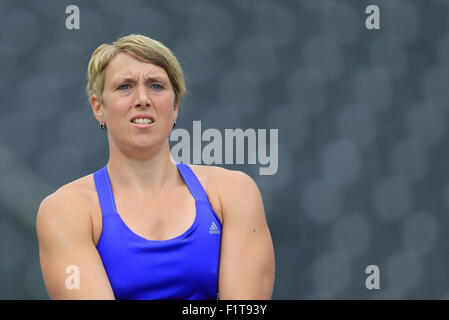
142	48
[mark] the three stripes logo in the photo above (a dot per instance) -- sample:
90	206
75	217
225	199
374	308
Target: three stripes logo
213	229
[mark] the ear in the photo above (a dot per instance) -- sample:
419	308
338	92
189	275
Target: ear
97	108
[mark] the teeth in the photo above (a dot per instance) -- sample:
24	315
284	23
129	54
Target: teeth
142	120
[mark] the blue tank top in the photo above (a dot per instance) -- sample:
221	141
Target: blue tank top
181	268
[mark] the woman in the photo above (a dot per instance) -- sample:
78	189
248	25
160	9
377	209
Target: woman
145	226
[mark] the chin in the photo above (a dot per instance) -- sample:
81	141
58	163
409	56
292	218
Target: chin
143	146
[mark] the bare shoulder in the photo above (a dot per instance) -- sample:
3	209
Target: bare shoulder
78	193
225	185
217	174
208	173
68	205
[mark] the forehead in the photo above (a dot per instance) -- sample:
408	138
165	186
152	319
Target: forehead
125	66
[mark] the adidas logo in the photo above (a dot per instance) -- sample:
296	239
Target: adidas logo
213	229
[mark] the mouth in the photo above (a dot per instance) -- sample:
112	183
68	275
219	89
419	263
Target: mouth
142	121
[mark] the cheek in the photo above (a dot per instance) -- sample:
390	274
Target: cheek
116	109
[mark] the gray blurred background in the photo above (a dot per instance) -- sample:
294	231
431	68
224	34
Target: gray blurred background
360	113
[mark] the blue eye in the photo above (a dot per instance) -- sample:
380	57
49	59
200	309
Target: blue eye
123	86
156	86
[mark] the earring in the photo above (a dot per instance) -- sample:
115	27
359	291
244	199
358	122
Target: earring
102	125
174	124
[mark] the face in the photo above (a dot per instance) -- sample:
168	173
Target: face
133	87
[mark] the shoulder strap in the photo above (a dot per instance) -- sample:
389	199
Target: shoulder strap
192	182
104	190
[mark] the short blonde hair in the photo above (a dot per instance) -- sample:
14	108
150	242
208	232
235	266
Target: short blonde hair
142	48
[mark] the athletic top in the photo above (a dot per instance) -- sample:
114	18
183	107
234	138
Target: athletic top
181	268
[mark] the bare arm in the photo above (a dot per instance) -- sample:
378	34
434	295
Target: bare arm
64	231
247	263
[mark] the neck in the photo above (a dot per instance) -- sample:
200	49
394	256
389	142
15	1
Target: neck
142	176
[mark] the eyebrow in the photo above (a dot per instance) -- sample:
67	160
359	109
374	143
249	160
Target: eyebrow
130	79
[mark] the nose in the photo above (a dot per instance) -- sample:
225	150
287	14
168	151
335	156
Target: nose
142	98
